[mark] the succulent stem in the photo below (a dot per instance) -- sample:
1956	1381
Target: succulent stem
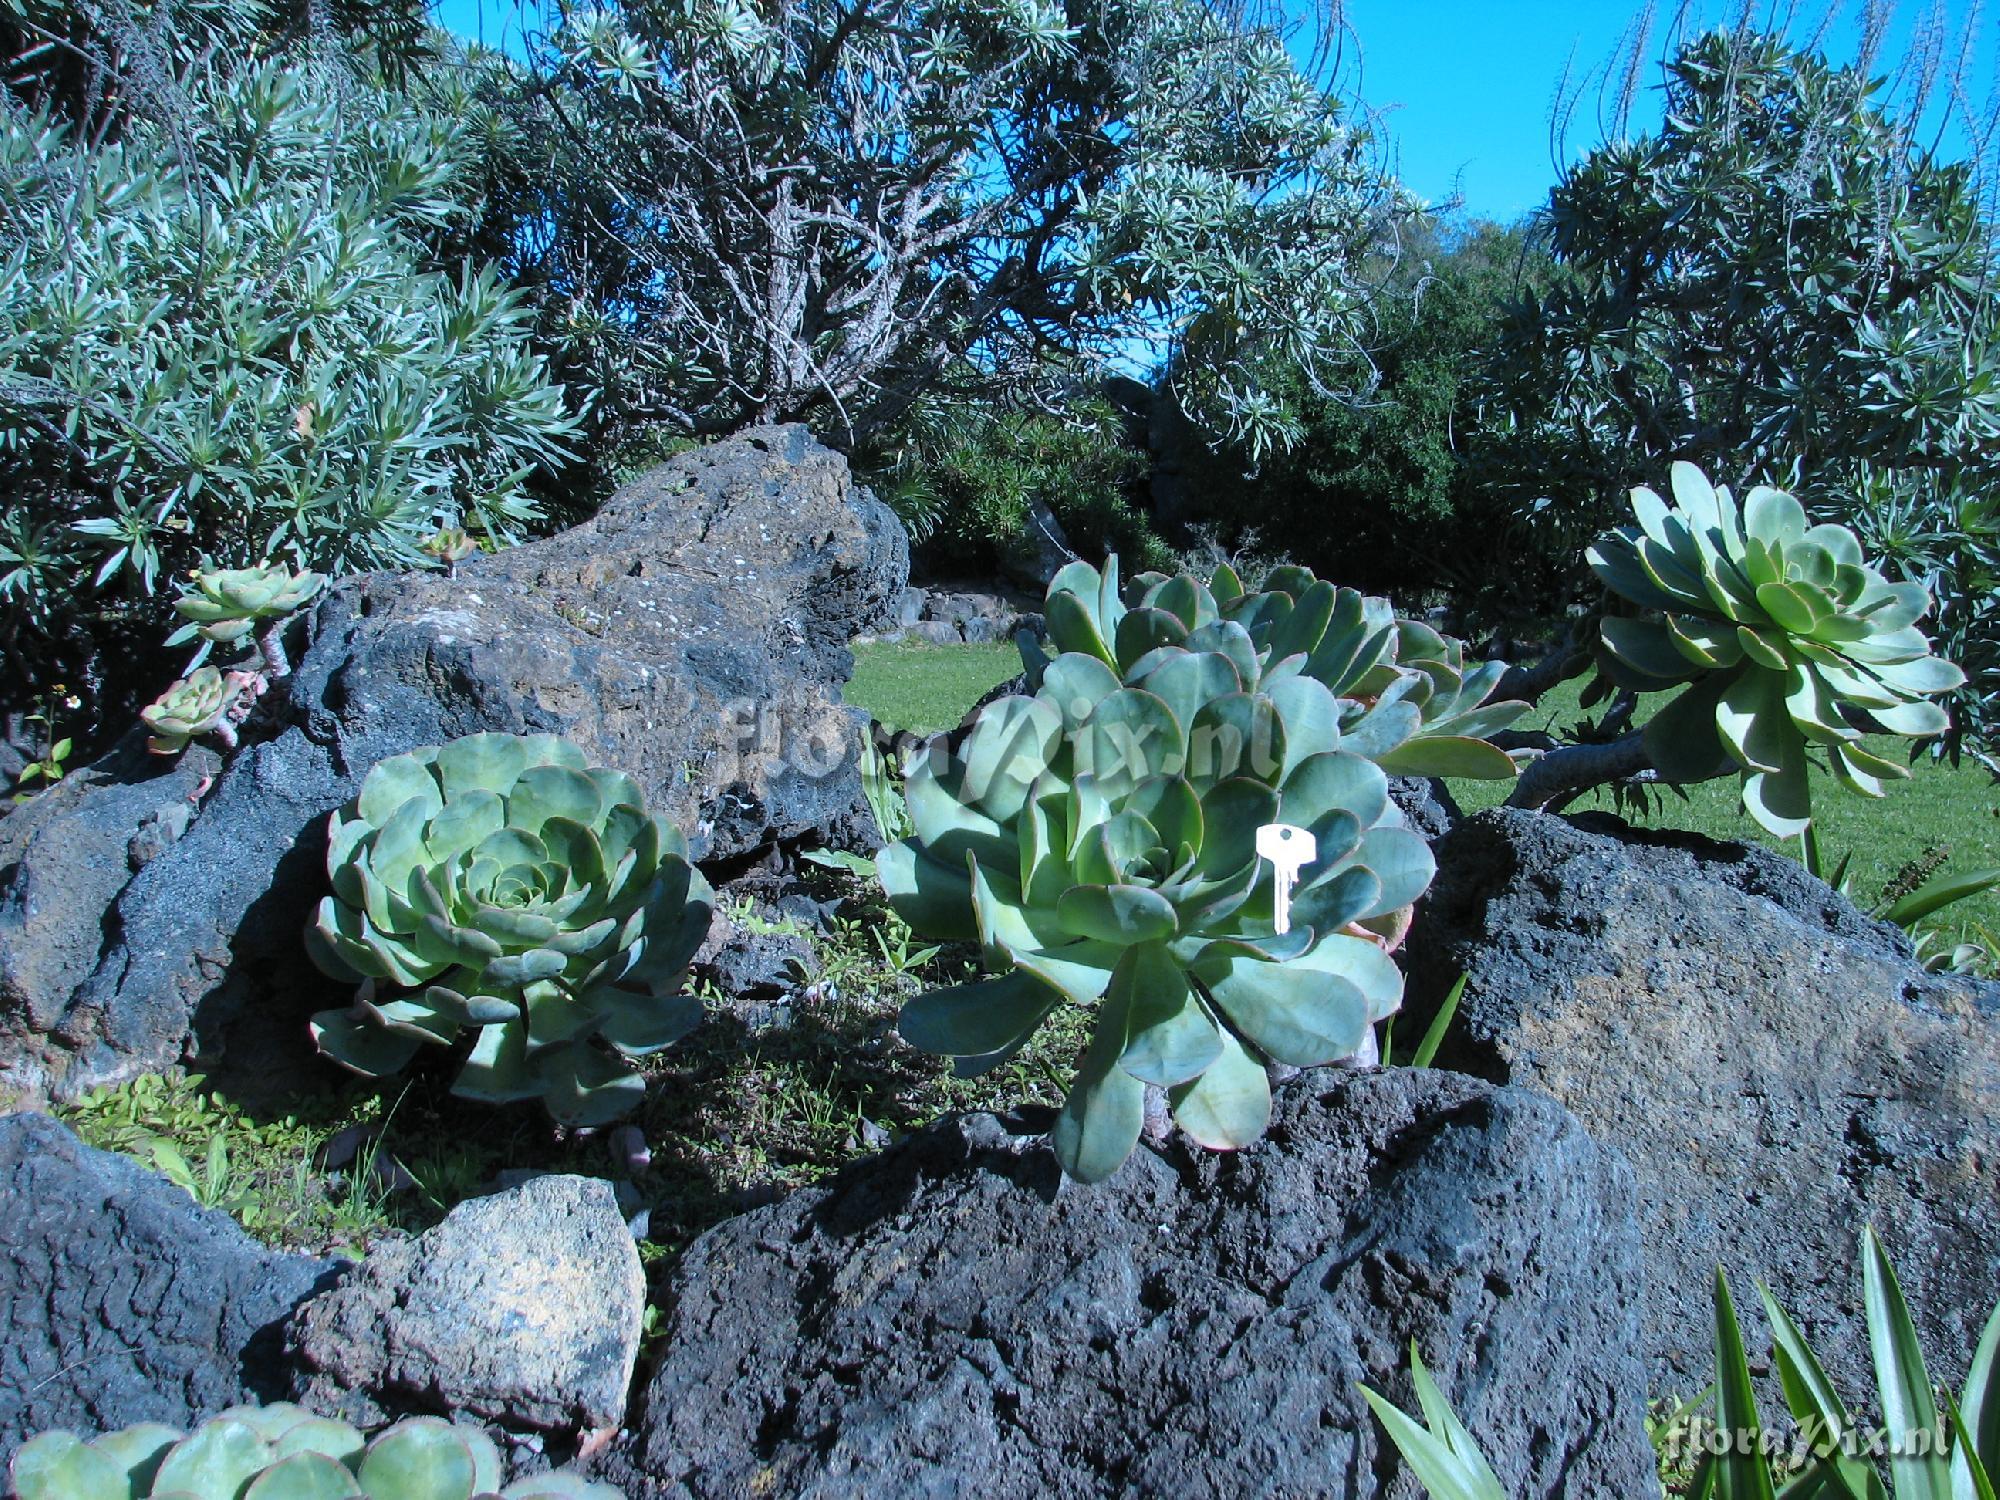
1577	768
271	642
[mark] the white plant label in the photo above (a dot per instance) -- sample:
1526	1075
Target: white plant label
1290	849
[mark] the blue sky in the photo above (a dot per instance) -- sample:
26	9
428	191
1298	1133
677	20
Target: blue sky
1465	87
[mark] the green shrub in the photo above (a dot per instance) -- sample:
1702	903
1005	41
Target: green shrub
281	1452
965	477
225	339
501	887
1786	282
1382	485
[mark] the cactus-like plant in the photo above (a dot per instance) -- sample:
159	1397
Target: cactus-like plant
1408	701
206	701
1099	841
1774	626
281	1452
226	604
502	887
448	545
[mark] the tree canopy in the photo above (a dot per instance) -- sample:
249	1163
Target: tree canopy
824	209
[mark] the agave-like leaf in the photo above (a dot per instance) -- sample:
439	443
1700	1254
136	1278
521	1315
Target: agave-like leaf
1917	1466
1443	1455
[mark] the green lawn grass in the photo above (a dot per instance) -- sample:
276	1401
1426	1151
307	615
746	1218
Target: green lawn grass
922	687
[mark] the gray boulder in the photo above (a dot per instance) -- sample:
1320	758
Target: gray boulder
952	1319
1772	1062
692	634
523	1308
122	1300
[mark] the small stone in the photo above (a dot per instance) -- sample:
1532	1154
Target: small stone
523	1308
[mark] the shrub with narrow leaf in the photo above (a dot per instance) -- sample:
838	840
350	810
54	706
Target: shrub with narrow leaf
1776	627
1408	701
238	332
500	887
1098	840
281	1452
1951	1454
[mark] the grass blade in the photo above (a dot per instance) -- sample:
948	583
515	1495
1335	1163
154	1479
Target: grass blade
1741	1473
1937	894
1434	1033
1916	1452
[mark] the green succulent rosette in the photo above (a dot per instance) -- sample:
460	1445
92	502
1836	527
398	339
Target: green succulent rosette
504	889
189	709
448	545
1408	699
281	1452
223	605
1770	626
198	704
1098	841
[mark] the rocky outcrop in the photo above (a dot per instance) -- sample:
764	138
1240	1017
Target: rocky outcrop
947	614
1772	1062
951	1318
122	1300
523	1308
694	634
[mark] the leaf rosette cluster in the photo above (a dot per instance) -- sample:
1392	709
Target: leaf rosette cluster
282	1452
1775	627
1098	840
503	888
1407	698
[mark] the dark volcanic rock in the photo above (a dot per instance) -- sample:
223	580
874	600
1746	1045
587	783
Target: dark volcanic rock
1774	1065
693	634
121	1300
521	1308
948	1320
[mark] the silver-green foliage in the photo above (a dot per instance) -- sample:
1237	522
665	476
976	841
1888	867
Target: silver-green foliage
221	338
500	886
1098	840
949	185
1775	626
1931	1454
281	1452
1407	699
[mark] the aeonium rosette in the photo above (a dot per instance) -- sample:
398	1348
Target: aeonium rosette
500	886
1099	841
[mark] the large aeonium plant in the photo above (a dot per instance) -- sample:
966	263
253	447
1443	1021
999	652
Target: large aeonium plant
1098	840
1775	626
499	886
1409	700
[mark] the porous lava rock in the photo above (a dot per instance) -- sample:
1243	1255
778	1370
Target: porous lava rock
1775	1065
693	633
951	1318
124	1301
